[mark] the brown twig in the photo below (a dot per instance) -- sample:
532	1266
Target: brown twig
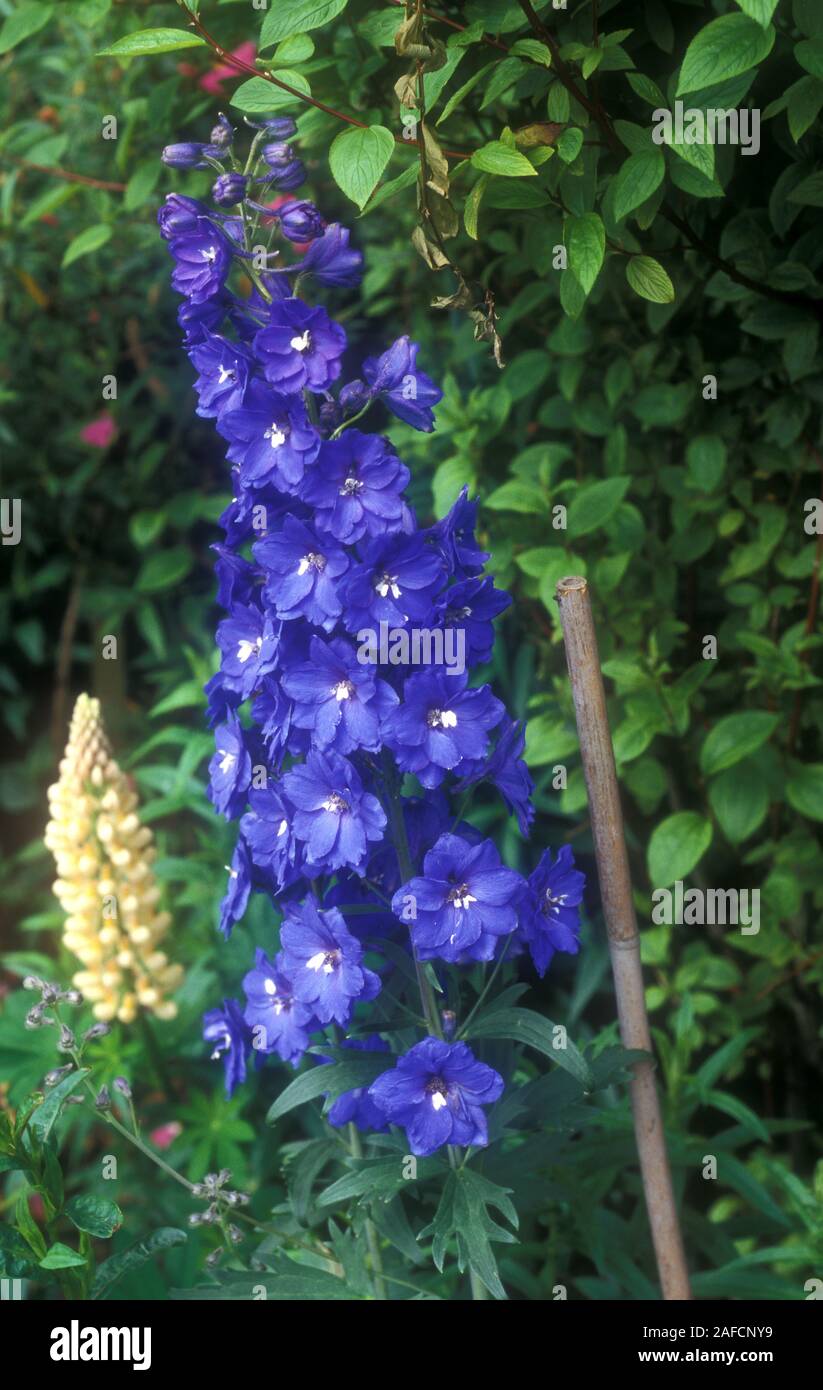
241	66
621	925
68	175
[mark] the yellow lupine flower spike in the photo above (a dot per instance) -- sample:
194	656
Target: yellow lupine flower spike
105	883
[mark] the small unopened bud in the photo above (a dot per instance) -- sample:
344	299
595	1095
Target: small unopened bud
72	996
35	1019
223	1176
33	982
121	1084
235	1235
214	1258
196	1218
74	1100
67	1041
51	994
449	1020
97	1030
53	1078
102	1101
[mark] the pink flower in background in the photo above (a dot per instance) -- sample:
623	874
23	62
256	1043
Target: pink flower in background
164	1136
213	81
99	432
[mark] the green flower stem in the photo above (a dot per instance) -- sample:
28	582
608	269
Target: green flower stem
371	1230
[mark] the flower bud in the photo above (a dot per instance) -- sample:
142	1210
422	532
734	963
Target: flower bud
280	127
353	397
187	155
53	1078
102	1101
121	1084
300	220
67	1041
97	1030
229	189
32	982
222	134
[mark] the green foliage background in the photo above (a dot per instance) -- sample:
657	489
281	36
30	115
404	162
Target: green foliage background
685	511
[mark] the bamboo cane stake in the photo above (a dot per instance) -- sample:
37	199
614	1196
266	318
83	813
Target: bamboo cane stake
621	924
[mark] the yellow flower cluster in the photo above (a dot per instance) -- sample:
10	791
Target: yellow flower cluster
105	881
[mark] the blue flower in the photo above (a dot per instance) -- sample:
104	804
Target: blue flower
248	642
470	607
301	570
357	1107
235	577
186	155
299	348
229	770
436	1093
277	1020
334	816
438	723
267	830
179	215
330	259
226	1029
356	488
340	701
464	901
395	582
406	390
506	769
271	438
224	369
236	897
454	536
550	919
285	170
324	962
203	259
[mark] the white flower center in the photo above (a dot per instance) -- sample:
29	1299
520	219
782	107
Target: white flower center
302	342
461	897
343	690
269	986
282	828
387	584
438	1100
246	648
335	803
312	562
226	374
275	435
441	719
325	961
210	254
227	761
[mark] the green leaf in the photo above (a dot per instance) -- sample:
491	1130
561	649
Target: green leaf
376	1177
164	569
638	178
809	54
141	184
85	242
62	1257
724	48
287	17
586	239
116	1266
804	789
805	99
593	505
569	145
98	1216
746	1117
734	738
259	97
809	192
739	798
517	496
676	845
23	22
471	207
296	49
648	279
534	49
760	10
357	159
497	158
290	1283
331	1080
706	460
533	1030
44	1117
147	41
